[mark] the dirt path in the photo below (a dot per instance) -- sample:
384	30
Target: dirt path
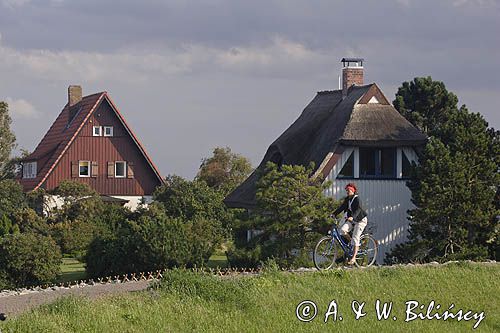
16	304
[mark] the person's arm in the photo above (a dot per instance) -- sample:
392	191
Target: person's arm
342	208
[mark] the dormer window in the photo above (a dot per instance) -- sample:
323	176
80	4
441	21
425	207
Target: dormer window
108	130
97	131
29	170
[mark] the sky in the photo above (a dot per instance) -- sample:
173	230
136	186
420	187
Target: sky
192	75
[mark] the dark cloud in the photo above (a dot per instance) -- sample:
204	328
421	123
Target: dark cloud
190	75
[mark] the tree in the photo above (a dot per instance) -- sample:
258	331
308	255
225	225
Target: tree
191	199
29	259
454	186
425	103
7	141
12	197
290	204
224	170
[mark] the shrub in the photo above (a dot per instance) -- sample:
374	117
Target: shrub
29	258
154	241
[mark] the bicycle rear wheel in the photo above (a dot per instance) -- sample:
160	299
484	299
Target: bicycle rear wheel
326	253
367	253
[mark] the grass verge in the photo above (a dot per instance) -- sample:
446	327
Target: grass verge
187	302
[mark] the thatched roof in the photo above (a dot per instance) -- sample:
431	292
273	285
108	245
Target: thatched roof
328	122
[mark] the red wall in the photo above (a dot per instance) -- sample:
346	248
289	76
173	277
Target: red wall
120	147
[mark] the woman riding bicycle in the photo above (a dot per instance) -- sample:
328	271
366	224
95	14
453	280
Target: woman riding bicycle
356	218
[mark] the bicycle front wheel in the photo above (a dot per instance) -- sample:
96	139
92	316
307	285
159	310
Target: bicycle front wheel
326	253
367	253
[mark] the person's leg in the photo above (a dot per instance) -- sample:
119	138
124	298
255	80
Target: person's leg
345	229
356	235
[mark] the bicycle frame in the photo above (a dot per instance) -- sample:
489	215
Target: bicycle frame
336	236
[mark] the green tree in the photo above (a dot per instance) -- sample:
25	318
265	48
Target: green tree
425	103
7	141
82	217
290	207
12	197
190	200
29	259
454	186
224	170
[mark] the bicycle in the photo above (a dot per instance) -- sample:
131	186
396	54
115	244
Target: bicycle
332	248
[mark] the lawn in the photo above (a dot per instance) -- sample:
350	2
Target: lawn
73	270
187	302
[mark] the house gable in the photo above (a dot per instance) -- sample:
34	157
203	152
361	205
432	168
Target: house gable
103	151
71	127
374	95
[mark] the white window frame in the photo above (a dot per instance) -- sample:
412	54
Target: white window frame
94	131
29	170
106	128
89	165
124	169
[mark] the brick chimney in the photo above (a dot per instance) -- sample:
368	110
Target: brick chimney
74	95
352	73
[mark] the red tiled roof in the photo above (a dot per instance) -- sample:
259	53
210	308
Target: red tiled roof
62	133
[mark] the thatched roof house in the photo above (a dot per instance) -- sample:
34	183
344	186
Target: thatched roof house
357	115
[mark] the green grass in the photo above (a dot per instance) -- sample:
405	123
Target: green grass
218	261
189	302
71	270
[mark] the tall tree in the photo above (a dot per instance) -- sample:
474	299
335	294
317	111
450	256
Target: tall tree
224	170
425	103
7	141
454	186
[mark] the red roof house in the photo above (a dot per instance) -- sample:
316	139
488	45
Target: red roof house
90	142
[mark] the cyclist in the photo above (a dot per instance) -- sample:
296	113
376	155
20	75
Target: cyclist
356	218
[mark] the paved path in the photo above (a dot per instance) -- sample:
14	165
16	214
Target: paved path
16	304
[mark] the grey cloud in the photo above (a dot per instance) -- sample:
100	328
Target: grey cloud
192	75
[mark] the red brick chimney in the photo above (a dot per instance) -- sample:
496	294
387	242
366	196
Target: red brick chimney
352	73
74	95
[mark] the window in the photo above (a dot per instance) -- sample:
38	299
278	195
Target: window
97	131
29	170
84	169
120	169
348	168
377	162
406	165
108	130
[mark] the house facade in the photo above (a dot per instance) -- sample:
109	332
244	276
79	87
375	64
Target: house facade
90	142
352	134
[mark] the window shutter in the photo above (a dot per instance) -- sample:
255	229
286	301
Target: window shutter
111	169
74	169
130	170
95	169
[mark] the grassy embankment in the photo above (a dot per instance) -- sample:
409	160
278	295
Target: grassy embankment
267	303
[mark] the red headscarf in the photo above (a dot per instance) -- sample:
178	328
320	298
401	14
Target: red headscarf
351	186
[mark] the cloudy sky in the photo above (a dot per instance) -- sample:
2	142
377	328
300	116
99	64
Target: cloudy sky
192	75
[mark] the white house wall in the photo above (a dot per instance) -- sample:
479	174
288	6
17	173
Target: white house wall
385	201
52	202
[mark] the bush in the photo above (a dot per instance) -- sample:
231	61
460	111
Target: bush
29	259
112	255
154	241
